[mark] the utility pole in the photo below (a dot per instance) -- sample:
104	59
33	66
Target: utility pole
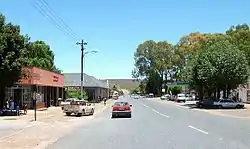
82	43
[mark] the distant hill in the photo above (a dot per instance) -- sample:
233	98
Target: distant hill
128	84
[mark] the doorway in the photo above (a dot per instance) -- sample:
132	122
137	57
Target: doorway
18	97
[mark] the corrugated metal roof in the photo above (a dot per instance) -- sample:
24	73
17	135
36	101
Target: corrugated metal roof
74	79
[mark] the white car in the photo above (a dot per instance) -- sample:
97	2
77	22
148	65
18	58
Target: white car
165	97
181	98
228	103
79	107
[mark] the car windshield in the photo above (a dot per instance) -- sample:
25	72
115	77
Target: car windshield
121	103
68	100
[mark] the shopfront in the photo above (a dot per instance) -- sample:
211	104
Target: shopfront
44	86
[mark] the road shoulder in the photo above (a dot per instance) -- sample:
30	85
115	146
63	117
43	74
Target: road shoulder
50	126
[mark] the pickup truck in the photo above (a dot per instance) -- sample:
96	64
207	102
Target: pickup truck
67	102
79	107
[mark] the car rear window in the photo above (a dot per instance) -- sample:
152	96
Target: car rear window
121	103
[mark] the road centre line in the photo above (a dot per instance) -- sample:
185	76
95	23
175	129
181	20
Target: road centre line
197	129
161	114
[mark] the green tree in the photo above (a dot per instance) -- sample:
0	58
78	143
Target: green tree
77	94
220	66
174	89
240	36
12	48
153	59
40	55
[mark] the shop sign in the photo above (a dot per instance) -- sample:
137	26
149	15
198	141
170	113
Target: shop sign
55	78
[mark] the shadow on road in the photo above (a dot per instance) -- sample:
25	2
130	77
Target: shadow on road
194	106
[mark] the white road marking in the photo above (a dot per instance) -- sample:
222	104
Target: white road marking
197	129
156	111
160	113
145	106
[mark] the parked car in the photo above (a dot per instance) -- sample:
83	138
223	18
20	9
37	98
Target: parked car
67	102
228	103
207	103
188	97
181	98
150	95
121	108
165	97
79	107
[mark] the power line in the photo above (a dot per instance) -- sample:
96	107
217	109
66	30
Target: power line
58	18
51	17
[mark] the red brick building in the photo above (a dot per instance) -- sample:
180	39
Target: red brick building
45	86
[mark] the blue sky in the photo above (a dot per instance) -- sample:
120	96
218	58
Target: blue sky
116	27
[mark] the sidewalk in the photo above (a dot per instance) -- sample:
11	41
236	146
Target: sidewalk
50	125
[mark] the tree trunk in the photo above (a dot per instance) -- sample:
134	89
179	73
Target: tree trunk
2	95
228	90
200	91
214	93
218	92
224	93
161	82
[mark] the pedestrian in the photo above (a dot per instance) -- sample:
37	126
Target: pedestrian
25	107
104	100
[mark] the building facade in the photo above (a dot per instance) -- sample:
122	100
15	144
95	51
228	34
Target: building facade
91	85
244	93
44	87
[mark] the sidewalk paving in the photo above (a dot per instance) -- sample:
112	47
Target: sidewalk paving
50	125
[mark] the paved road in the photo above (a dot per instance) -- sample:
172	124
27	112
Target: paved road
159	126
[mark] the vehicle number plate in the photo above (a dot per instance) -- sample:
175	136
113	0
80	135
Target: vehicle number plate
121	109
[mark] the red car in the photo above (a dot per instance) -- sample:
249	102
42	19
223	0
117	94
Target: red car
121	108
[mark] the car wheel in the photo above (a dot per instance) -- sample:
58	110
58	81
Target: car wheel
79	114
92	112
238	106
83	112
220	106
68	114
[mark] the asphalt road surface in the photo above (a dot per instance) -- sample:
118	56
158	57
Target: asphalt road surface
156	125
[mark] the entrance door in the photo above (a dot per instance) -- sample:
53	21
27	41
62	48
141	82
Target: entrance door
18	97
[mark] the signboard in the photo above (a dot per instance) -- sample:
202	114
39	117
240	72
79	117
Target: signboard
163	90
55	78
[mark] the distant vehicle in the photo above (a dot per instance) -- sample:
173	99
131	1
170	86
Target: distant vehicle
228	103
188	97
121	108
165	97
150	95
181	98
135	96
79	107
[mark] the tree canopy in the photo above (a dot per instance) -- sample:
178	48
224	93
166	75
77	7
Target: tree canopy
153	60
208	62
40	55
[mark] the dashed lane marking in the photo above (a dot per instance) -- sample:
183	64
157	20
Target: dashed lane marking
157	112
197	129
